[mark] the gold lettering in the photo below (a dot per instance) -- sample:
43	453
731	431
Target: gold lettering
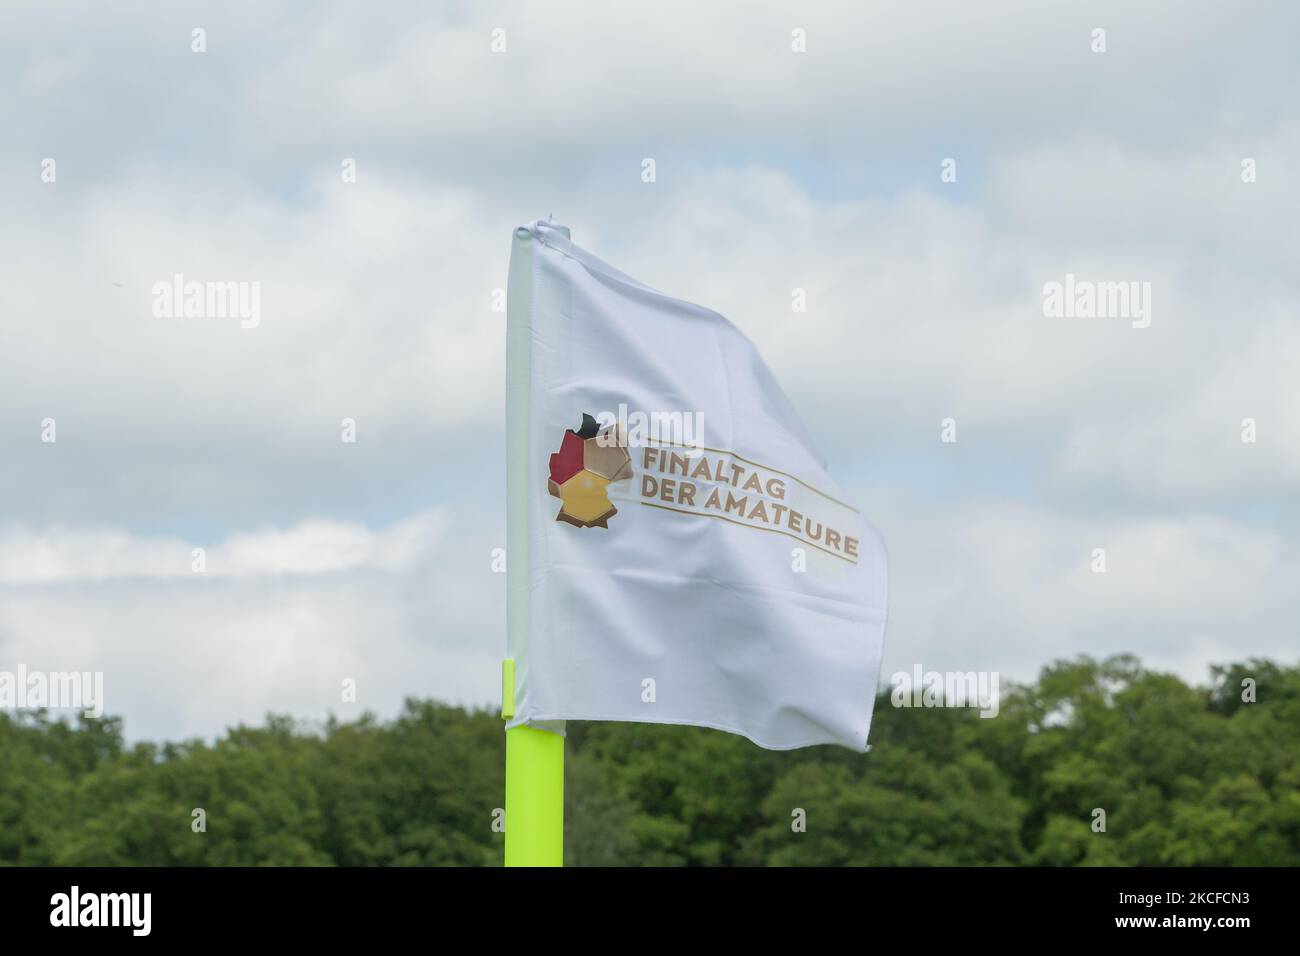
737	503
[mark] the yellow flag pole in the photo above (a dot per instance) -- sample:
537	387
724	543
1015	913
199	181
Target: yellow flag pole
534	789
534	758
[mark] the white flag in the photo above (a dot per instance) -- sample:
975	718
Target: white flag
677	553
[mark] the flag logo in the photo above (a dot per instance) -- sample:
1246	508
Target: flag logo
589	459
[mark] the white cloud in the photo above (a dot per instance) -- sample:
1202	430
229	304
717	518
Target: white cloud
316	546
625	75
413	610
1190	445
1009	587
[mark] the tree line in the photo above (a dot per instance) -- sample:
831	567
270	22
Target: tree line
1094	763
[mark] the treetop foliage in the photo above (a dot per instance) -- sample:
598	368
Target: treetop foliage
1184	775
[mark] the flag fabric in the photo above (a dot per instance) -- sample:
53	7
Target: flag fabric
677	552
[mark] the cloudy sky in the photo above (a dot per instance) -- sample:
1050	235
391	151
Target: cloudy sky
775	170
